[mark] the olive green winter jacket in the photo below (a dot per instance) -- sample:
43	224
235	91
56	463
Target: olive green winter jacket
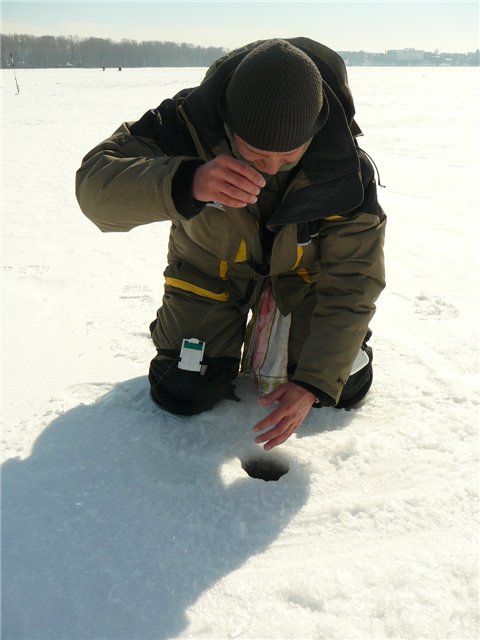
326	231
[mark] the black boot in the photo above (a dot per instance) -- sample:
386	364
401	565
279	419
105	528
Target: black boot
360	382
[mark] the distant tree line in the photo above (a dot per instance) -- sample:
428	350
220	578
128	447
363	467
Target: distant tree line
59	51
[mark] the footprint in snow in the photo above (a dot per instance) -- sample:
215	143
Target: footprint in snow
138	292
434	308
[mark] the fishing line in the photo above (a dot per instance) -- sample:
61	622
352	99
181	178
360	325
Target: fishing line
14	73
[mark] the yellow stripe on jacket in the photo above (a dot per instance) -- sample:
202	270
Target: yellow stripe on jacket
199	291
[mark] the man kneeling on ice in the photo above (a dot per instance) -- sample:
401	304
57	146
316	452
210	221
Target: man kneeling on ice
273	208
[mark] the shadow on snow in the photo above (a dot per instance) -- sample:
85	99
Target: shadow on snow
120	519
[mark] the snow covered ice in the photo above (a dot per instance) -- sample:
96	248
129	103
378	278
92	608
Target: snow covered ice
123	522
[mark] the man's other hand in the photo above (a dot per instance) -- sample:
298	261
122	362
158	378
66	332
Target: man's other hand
294	403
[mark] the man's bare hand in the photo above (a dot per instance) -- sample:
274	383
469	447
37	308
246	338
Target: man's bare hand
228	181
294	403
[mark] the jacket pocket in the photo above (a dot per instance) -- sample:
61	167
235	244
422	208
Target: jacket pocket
183	276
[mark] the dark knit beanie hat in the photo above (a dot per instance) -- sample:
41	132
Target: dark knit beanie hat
274	97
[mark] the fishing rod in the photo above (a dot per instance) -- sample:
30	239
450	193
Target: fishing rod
14	73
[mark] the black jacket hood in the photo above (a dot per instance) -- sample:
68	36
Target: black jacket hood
331	164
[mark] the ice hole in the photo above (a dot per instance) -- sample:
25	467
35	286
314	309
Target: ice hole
266	467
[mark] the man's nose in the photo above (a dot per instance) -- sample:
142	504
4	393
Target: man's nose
271	165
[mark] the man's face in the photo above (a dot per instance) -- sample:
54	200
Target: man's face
267	161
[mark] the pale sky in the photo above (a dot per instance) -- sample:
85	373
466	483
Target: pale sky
349	25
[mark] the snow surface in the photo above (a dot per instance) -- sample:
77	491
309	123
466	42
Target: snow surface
123	522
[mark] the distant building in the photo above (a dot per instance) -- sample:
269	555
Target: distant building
406	56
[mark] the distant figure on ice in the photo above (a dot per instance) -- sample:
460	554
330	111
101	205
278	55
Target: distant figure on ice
274	209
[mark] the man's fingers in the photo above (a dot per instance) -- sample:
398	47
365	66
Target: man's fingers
276	436
271	397
230	202
228	181
272	418
276	432
242	190
280	440
243	169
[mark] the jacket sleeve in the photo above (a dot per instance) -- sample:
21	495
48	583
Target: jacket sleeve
351	277
126	181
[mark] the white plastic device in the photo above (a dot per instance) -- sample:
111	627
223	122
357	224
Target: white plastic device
191	354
